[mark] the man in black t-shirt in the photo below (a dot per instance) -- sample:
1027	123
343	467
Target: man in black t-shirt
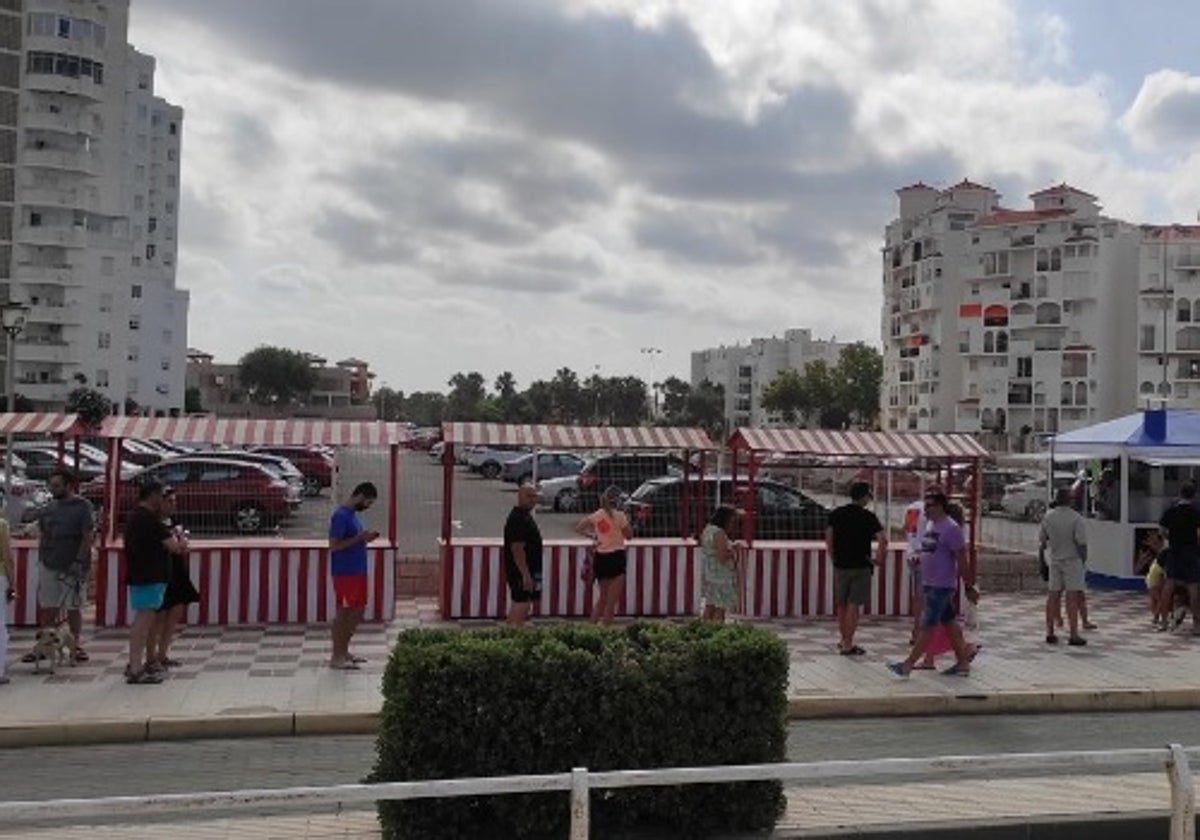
523	555
148	547
1181	522
848	539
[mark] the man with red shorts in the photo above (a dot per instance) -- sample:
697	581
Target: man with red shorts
348	540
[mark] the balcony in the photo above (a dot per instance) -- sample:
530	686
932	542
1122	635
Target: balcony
1187	260
53	391
72	199
28	272
46	350
81	86
69	161
64	237
67	314
66	123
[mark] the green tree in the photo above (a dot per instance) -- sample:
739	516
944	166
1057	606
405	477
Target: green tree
193	402
859	376
788	396
91	406
389	404
628	401
675	393
568	395
705	408
276	375
466	397
508	401
425	408
539	402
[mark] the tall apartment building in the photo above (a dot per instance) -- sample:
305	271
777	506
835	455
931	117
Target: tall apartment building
1007	323
1168	335
97	194
745	370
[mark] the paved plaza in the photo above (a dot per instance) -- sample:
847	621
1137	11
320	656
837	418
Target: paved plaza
231	673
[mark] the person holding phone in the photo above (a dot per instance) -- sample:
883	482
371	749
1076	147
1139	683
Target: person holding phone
348	541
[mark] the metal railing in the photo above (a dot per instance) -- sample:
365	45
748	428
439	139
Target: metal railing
580	782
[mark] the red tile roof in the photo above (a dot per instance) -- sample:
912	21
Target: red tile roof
1062	188
920	186
1171	231
1003	216
964	184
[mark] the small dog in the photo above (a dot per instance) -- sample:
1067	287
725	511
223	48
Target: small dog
55	645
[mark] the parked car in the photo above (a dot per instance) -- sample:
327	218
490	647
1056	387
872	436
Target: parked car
42	459
994	483
780	512
626	471
316	466
437	450
489	461
281	467
905	484
29	497
221	493
1029	499
559	494
549	465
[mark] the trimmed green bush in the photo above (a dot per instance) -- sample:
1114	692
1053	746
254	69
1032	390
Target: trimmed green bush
502	702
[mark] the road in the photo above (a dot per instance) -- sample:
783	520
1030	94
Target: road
57	772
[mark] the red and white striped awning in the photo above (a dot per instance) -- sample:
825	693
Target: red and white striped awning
20	423
575	437
859	444
239	432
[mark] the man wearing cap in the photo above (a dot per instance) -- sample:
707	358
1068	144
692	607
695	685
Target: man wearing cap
848	538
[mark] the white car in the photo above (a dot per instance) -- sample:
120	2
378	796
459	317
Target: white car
1029	499
559	494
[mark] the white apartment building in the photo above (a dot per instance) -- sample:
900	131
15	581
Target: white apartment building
1169	311
1007	323
746	369
97	193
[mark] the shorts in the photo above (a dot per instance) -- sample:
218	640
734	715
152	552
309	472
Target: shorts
939	607
350	591
1183	564
61	590
852	586
516	586
608	566
146	596
1066	575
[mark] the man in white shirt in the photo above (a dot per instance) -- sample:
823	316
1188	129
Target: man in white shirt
1064	540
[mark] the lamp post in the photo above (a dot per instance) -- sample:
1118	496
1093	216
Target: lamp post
653	353
12	318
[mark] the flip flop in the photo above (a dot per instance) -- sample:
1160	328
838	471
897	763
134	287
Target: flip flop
81	655
346	665
852	651
358	660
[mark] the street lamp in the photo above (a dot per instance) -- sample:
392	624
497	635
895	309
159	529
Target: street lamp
12	318
653	353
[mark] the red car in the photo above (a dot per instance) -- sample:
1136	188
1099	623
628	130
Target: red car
212	494
317	465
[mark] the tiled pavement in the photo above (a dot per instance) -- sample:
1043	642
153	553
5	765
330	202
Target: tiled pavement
282	668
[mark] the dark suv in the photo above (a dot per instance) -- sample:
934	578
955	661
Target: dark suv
780	513
626	471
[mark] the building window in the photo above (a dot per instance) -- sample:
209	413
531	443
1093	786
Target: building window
135	322
173	129
1025	367
167	337
169	207
135	291
172	181
41	24
133	385
1056	259
1002	342
64	27
170	154
104	341
102	378
136	261
133	354
1149	338
152	224
150	251
1183	313
143	82
35	219
139	202
139	172
108	266
165	363
106	302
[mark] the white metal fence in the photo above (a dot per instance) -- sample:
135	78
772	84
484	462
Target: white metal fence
579	783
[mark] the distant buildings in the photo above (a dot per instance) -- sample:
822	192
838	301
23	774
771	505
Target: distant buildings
89	202
342	392
1016	323
746	369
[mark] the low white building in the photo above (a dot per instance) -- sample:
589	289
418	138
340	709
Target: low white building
744	370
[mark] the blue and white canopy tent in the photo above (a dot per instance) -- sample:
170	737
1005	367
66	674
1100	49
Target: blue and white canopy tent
1154	451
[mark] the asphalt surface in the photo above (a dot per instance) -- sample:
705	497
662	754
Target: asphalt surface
164	767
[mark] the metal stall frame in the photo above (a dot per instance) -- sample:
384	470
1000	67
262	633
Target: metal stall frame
540	437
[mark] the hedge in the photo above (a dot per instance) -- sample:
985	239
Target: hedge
505	702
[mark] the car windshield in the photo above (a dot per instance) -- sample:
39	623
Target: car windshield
646	490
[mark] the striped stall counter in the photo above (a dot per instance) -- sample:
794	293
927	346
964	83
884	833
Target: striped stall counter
23	611
255	583
663	579
796	579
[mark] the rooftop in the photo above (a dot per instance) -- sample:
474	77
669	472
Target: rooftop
1004	216
1062	189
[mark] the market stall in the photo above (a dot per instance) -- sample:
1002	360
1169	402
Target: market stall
267	577
662	578
794	578
1148	456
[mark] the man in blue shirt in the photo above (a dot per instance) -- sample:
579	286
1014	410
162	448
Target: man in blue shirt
348	540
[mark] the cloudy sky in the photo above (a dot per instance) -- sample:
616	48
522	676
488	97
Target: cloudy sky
444	185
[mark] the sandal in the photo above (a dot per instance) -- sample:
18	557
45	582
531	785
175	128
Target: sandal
357	660
81	655
855	650
167	662
344	665
31	657
143	677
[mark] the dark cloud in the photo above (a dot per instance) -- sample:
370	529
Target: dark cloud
693	235
631	299
203	222
361	238
251	142
509	278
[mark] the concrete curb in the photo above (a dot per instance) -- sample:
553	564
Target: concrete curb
799	708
